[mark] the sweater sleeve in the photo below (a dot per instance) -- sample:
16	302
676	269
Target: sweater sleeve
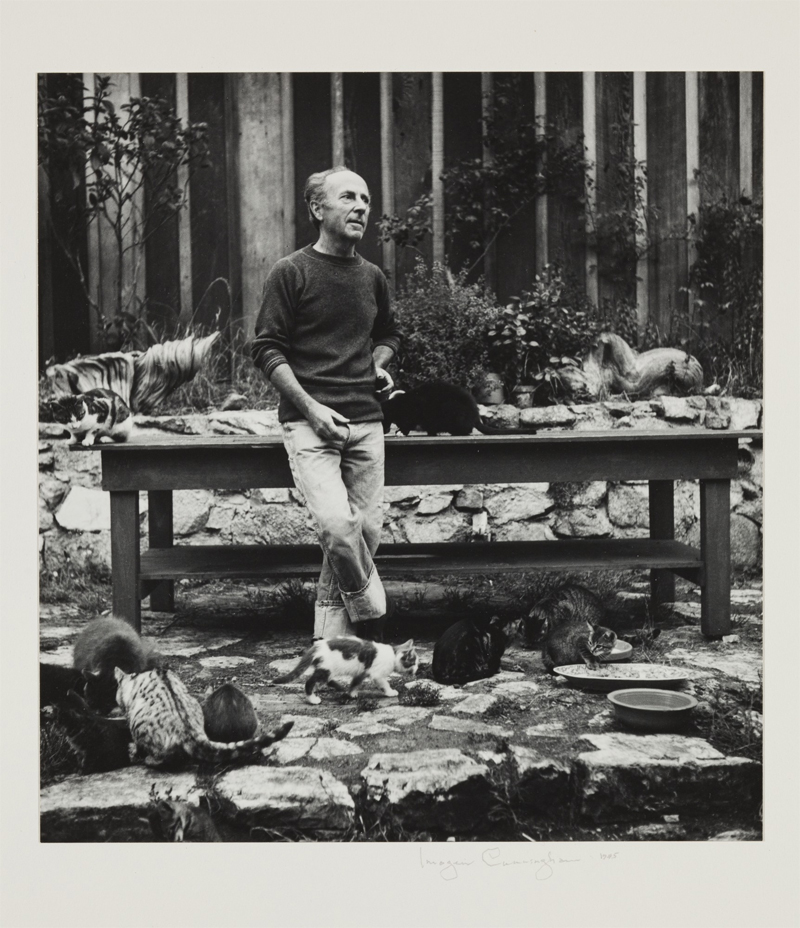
385	330
270	346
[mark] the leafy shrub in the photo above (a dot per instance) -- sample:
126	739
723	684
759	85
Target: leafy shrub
444	322
726	332
422	695
541	330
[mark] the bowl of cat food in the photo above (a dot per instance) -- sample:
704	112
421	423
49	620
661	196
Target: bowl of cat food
649	709
620	652
609	677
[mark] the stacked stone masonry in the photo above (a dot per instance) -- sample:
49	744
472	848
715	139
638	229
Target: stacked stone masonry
74	510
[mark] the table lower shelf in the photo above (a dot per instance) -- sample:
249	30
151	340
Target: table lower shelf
283	561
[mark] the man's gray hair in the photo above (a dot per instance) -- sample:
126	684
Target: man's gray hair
314	190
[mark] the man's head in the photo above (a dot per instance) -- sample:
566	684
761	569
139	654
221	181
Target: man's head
338	205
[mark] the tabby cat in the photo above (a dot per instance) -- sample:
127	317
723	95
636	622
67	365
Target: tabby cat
96	414
104	644
101	744
167	722
346	662
228	714
570	618
568	601
175	820
470	649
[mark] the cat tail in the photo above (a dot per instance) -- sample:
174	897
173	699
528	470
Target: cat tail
303	664
486	428
218	751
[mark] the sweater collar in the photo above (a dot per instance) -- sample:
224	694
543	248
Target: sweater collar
355	261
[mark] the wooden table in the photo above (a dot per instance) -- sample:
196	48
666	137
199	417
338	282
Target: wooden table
241	462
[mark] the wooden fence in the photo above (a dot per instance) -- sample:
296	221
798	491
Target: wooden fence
269	131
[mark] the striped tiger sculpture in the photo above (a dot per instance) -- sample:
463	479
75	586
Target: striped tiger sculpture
166	722
142	378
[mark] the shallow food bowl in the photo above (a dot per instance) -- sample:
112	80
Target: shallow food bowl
651	709
620	652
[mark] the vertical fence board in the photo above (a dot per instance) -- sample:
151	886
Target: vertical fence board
337	118
590	143
362	148
45	268
122	270
666	147
412	156
516	250
387	171
62	208
566	235
746	133
462	141
312	142
162	264
437	166
489	245
644	225
616	277
541	221
287	154
209	206
758	134
692	169
719	134
260	180
185	215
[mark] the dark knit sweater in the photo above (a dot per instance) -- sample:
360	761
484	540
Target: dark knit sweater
323	315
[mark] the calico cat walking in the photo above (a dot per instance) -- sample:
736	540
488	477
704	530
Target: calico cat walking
93	415
470	649
438	406
347	662
570	619
104	644
166	722
228	715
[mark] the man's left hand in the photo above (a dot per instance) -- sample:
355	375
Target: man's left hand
383	384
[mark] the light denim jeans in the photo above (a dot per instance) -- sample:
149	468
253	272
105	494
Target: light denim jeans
342	482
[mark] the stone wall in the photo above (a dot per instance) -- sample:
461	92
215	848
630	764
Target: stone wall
74	511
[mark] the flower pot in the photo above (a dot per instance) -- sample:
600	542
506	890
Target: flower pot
523	396
490	390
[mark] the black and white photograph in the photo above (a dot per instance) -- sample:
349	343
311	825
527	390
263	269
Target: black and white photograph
401	461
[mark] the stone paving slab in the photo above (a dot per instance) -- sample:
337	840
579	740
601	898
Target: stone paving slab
631	775
476	705
467	726
301	797
441	787
359	729
747	667
107	805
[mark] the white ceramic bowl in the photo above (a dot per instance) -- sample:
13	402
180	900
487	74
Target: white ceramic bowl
620	652
652	709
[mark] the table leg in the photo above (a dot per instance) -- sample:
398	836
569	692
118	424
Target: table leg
125	556
715	549
162	597
662	526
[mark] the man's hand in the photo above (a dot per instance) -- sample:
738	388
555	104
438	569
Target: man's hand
326	422
383	384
